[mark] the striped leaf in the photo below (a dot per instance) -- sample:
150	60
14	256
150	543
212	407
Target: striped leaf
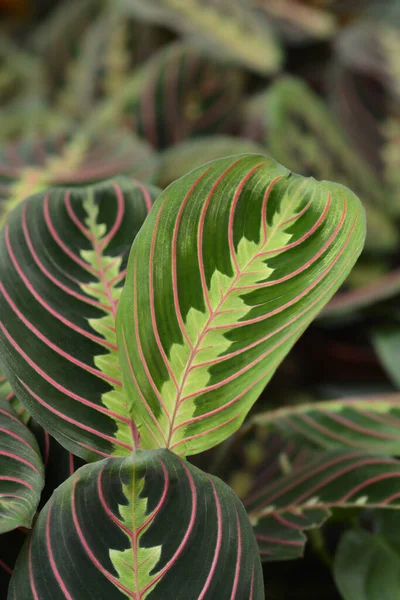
370	423
233	263
59	464
62	265
183	94
282	510
106	534
36	163
21	471
304	135
222	28
181	158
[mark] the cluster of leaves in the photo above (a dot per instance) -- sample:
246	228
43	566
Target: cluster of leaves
134	365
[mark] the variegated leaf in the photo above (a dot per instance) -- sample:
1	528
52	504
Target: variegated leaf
283	509
304	135
220	27
183	94
137	527
366	423
21	471
181	158
233	263
36	163
62	265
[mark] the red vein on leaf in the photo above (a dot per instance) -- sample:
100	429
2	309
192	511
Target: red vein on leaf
47	306
218	543
118	218
54	234
47	273
239	558
87	548
53	564
30	570
54	346
64	417
174	256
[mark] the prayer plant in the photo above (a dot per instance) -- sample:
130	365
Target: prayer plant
134	336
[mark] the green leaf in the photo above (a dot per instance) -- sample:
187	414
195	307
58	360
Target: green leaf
369	423
183	94
305	136
386	341
178	160
367	565
233	263
354	301
222	28
282	510
38	162
298	22
21	471
62	265
136	527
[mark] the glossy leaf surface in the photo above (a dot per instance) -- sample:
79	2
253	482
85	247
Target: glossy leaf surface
231	266
106	534
370	423
282	510
62	266
21	471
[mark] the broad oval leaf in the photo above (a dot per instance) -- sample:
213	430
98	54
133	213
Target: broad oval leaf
62	265
233	263
282	510
21	471
106	534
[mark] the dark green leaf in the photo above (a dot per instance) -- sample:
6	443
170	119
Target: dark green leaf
145	526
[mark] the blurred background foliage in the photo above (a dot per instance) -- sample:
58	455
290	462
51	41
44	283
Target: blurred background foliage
154	88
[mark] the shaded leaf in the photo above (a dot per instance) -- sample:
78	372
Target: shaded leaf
233	263
181	93
282	510
182	158
62	266
304	135
118	515
21	471
367	565
386	341
222	28
367	423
